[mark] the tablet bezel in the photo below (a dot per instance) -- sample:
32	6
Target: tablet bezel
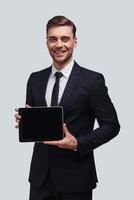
22	112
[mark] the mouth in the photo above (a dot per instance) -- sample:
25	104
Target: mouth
59	53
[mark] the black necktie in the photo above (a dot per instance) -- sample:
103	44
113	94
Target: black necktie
55	92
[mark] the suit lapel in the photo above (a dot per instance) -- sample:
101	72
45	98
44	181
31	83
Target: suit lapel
72	82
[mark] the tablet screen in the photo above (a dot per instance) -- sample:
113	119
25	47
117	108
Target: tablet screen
41	124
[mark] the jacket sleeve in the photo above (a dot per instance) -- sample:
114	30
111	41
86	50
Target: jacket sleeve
105	114
29	92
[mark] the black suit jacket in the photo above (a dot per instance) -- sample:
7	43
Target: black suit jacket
85	99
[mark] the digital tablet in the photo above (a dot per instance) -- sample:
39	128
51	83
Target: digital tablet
41	124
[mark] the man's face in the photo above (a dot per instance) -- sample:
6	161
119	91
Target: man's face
61	43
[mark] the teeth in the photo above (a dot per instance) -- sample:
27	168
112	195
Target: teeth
59	51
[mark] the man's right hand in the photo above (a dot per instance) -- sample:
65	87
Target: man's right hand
18	117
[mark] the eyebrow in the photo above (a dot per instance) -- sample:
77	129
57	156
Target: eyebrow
64	36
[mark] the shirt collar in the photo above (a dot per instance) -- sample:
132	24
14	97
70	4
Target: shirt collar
66	71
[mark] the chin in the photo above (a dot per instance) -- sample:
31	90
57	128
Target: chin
60	61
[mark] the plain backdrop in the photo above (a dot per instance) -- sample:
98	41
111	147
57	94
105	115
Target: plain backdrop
105	34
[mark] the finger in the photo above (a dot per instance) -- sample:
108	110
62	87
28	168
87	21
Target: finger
51	142
27	106
17	109
17	116
17	126
17	120
55	143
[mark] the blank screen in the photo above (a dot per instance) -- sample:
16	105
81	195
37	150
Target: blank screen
40	124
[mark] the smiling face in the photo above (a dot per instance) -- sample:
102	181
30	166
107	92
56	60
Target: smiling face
61	43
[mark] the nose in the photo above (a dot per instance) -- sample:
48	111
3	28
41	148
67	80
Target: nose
59	43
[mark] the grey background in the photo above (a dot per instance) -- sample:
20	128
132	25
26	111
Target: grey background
105	44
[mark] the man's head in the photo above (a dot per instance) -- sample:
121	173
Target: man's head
61	21
61	40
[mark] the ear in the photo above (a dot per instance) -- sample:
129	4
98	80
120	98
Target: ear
46	42
75	42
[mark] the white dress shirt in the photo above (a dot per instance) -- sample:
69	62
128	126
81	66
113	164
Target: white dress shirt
66	71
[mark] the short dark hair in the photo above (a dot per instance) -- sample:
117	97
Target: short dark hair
61	21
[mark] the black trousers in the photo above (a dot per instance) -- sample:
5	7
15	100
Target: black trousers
48	191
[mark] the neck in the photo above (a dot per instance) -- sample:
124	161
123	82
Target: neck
60	66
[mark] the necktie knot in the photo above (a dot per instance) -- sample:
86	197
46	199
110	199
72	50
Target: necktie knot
58	75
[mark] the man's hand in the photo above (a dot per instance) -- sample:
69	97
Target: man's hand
69	141
18	117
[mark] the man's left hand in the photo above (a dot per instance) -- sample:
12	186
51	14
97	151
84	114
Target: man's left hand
68	142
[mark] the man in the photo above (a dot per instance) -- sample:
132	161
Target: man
65	169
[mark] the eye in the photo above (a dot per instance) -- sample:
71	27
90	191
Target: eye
65	39
52	39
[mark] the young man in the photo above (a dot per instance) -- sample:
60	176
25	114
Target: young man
65	169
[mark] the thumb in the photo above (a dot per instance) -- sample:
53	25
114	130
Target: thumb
67	133
27	106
